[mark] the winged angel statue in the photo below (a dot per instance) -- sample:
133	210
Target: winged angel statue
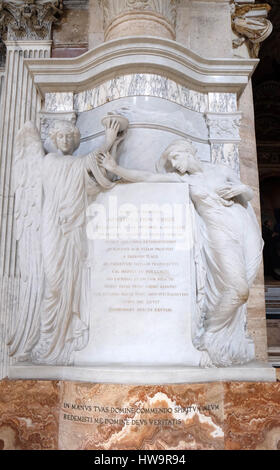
52	192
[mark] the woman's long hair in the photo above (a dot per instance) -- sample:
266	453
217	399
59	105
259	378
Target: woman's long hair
163	165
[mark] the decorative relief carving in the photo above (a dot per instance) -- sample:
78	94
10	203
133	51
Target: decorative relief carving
250	24
113	8
29	19
223	126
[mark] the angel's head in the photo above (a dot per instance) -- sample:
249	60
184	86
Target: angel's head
65	136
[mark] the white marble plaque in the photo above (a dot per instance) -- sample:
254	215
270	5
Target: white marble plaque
140	299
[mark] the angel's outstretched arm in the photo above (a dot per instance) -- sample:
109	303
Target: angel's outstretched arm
134	176
112	140
111	137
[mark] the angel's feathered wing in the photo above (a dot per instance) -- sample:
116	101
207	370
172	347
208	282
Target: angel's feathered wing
28	203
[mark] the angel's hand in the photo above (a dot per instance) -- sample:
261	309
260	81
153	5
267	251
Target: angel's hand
105	160
111	132
121	136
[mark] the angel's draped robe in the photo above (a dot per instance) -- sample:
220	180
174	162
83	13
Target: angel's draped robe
67	191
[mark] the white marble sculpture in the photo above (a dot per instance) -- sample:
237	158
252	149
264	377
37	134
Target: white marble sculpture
227	250
52	193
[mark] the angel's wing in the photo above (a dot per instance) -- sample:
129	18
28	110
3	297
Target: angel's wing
28	203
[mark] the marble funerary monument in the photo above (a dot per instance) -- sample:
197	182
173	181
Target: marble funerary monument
130	243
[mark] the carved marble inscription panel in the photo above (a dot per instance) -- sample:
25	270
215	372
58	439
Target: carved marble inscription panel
141	284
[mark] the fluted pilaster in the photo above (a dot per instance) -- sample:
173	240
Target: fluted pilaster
20	103
2	77
26	29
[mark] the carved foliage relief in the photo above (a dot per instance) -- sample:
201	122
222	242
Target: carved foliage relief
29	19
113	8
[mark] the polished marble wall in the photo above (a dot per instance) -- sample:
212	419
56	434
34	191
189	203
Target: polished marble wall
62	415
141	84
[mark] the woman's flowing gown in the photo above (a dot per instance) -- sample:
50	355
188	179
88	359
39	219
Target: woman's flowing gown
228	252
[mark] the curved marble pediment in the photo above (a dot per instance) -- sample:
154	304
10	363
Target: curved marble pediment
145	55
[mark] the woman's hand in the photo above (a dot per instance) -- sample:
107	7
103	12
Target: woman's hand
229	191
105	160
111	132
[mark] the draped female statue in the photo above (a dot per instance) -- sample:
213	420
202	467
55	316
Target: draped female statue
227	249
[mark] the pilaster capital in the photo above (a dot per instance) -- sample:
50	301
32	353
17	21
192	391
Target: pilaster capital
120	11
29	19
223	127
113	8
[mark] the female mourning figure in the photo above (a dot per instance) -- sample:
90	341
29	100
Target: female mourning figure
227	249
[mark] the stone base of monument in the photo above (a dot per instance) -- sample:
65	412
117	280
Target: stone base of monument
146	375
36	414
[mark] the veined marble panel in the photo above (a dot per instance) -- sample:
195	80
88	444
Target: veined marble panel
227	154
146	417
140	84
67	416
59	102
222	102
252	416
29	415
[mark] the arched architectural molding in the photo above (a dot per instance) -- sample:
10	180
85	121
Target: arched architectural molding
142	55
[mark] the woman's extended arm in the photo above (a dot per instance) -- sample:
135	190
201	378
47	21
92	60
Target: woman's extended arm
134	176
